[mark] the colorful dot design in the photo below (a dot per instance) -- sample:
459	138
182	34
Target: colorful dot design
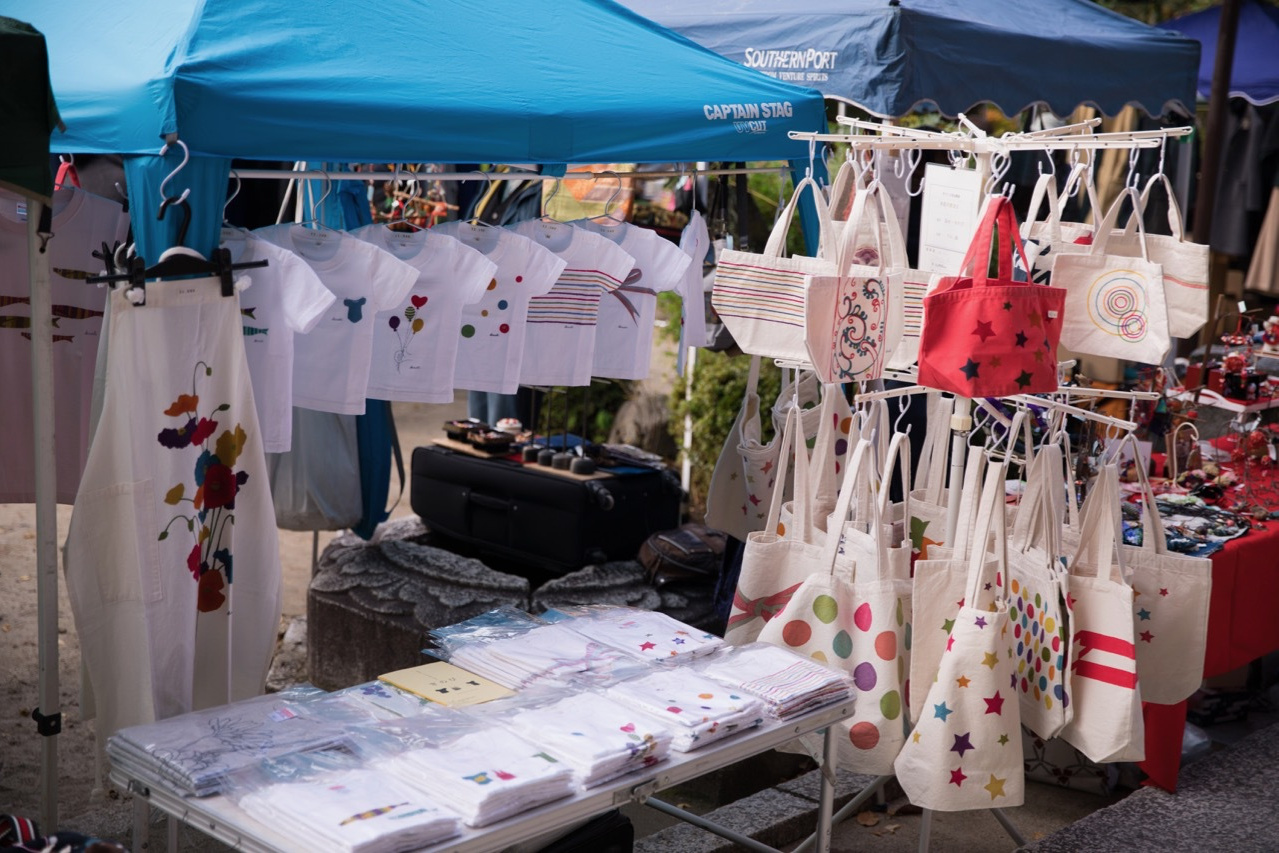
1117	304
1041	647
881	652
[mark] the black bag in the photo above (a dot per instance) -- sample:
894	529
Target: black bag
691	553
545	520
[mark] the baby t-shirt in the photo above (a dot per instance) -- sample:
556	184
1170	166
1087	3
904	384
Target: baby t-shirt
560	346
331	362
490	337
82	223
624	335
415	343
286	298
695	242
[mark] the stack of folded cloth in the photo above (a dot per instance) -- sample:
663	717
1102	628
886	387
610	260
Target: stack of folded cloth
353	810
644	633
547	652
197	751
700	709
484	776
788	684
599	738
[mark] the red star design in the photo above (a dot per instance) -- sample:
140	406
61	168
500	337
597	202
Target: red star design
646	646
768	466
753	499
957	777
950	641
1163	591
1146	636
984	330
995	704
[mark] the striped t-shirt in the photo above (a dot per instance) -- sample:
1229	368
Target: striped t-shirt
560	343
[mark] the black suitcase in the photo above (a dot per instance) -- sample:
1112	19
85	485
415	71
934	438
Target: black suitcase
541	518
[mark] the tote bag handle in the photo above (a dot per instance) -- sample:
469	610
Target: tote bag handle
776	244
794	452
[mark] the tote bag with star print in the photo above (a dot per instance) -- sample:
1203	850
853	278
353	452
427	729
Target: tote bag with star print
966	750
991	336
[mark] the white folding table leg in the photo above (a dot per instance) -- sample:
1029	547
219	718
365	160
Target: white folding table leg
826	804
925	830
141	823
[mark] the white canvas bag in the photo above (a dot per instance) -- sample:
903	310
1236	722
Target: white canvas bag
1185	264
1114	303
760	298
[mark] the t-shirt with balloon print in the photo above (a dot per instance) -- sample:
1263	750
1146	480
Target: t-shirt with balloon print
331	362
490	335
415	342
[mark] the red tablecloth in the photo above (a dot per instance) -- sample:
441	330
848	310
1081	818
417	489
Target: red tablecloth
1242	626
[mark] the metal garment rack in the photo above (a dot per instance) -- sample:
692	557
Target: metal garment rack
219	817
404	175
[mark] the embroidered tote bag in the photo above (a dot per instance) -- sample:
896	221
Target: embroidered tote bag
1114	303
991	337
1185	264
966	749
760	298
853	318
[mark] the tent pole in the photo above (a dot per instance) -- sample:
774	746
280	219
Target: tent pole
48	717
1214	133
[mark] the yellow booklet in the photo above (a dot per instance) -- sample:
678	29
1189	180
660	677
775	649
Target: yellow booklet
446	684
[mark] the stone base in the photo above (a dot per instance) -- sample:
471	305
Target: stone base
349	645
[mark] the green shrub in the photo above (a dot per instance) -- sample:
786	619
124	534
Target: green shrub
719	383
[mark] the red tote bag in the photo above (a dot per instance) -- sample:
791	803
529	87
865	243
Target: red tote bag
991	337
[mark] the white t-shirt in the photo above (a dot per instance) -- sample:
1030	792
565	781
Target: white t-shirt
560	346
624	340
286	298
82	222
490	339
696	242
415	343
331	363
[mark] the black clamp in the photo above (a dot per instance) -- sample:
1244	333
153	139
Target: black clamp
47	724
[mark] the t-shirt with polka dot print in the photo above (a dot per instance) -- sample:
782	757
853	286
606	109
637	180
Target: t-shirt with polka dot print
415	342
490	335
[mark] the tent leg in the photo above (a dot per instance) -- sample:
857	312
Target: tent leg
46	515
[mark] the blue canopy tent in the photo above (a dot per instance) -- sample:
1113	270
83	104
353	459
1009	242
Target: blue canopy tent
419	80
509	81
887	56
1254	74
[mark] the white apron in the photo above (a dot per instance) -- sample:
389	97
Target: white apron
173	506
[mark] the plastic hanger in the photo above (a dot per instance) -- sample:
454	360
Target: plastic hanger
234	193
405	204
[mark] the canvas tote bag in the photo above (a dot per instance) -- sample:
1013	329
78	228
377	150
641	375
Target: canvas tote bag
853	318
1185	264
776	560
1107	723
854	617
1115	304
991	337
1171	593
966	749
760	298
938	588
1049	237
1037	599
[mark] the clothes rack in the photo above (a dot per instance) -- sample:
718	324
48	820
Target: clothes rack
402	175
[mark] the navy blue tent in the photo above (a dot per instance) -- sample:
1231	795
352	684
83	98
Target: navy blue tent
1254	75
887	56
